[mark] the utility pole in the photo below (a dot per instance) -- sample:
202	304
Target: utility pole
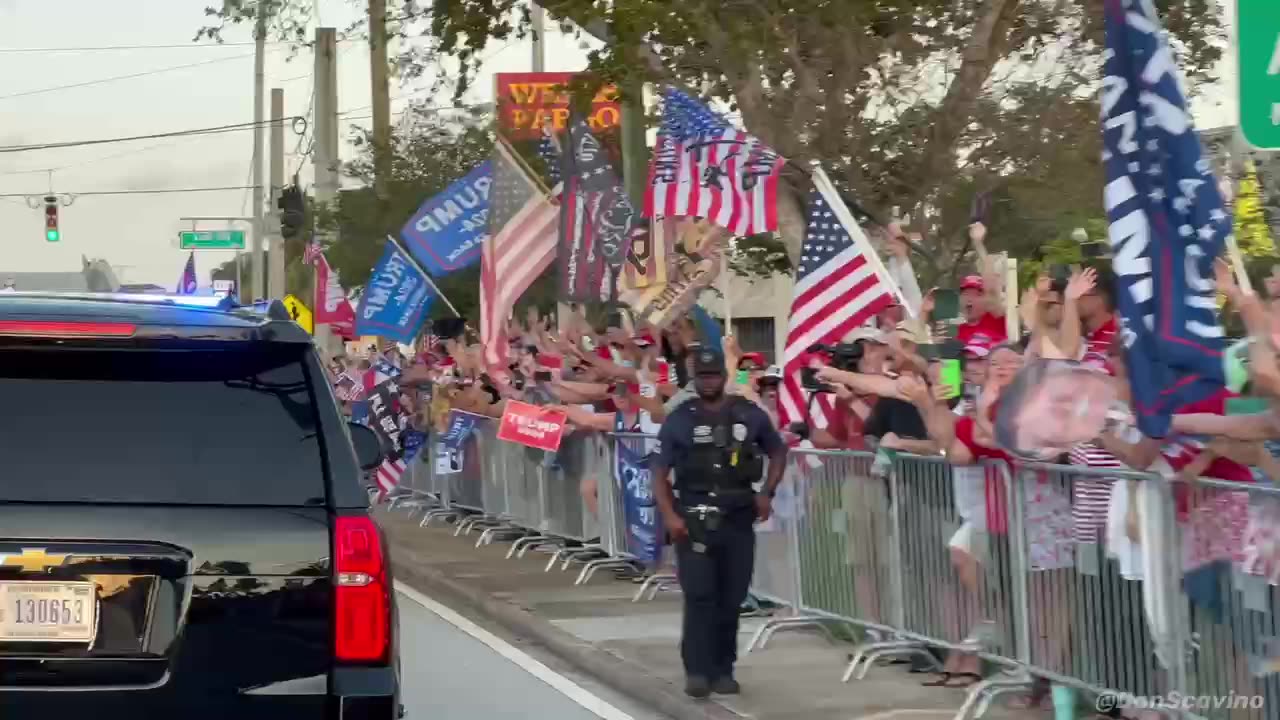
275	241
378	75
259	85
539	48
325	157
538	63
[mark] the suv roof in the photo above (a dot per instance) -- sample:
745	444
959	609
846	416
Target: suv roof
208	317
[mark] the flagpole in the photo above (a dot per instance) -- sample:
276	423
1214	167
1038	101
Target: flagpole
504	147
828	191
408	255
724	289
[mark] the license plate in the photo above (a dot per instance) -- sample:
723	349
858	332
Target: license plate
36	611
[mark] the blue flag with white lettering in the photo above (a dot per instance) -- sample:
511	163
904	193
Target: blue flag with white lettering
395	300
1166	217
446	233
640	507
460	426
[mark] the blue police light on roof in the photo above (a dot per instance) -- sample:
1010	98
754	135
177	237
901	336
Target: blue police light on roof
192	301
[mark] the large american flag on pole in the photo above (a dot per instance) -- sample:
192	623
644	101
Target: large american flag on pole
837	290
704	167
521	246
1167	222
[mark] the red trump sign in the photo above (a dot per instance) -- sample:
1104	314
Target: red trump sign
531	425
529	101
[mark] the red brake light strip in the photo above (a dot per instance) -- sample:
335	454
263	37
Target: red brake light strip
53	328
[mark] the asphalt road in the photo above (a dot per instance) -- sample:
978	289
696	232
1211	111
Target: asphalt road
454	669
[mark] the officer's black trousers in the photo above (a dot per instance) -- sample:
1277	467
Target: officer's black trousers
714	584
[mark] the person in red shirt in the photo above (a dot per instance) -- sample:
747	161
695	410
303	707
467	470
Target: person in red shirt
981	302
1097	310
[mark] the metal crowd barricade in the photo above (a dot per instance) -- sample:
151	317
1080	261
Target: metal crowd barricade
1232	606
777	577
1016	566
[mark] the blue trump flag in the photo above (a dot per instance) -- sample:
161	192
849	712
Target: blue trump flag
1167	223
395	300
446	233
460	426
640	506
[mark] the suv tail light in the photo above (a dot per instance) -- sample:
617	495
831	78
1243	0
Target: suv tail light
363	611
63	329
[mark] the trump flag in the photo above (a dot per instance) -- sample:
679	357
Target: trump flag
1166	220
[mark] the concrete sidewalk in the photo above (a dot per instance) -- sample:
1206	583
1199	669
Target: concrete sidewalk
633	647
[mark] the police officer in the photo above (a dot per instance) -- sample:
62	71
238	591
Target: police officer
716	445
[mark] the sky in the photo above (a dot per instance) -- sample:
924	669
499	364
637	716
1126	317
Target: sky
137	233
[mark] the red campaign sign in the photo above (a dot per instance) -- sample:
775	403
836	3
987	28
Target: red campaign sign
528	101
531	425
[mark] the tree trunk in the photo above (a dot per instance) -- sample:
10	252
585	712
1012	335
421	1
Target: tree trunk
985	47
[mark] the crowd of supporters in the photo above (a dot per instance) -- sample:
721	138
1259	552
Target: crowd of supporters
889	388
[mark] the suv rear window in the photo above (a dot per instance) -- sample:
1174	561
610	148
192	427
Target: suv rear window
234	425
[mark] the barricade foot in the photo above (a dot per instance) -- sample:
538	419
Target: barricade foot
537	541
444	513
590	568
981	694
486	537
773	625
521	544
904	650
867	653
568	555
652	585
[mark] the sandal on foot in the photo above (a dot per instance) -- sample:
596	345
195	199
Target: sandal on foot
941	681
966	679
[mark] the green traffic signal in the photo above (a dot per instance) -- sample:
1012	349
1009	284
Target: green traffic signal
51	235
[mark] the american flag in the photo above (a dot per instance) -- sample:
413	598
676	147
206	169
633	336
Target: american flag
550	155
350	387
311	253
704	167
389	473
1167	221
837	289
521	246
188	284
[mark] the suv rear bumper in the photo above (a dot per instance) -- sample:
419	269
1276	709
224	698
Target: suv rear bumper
354	694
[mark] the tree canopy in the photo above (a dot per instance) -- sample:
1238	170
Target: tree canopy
916	104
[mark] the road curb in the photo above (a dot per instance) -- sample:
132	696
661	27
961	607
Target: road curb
622	675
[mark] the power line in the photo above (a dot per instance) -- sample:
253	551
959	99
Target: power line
235	127
158	191
124	48
101	81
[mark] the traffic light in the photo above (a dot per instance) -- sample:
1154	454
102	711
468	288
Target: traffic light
51	232
293	211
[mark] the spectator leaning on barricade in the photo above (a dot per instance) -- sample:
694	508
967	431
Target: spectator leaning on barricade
982	539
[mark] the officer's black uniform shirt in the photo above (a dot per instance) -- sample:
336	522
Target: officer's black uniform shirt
682	431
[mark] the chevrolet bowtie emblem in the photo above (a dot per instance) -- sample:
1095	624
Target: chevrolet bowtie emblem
32	560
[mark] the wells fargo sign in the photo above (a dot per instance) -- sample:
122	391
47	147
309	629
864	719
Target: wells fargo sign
528	101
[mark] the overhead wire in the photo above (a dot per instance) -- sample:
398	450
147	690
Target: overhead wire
156	191
126	48
117	78
234	127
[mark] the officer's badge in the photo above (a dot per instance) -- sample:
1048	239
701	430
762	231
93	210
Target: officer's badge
739	432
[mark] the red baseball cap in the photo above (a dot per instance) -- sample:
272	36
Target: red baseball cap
971	282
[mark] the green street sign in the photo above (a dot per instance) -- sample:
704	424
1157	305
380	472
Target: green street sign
1258	45
212	239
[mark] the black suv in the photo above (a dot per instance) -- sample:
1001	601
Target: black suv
184	530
